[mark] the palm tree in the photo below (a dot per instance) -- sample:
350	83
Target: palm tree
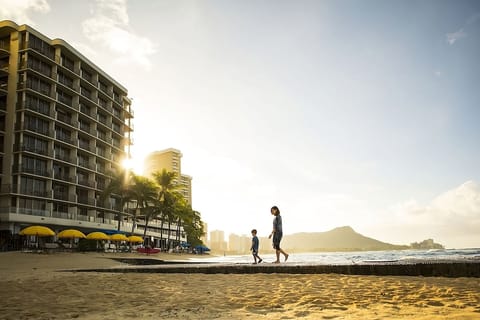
194	228
144	192
166	197
120	185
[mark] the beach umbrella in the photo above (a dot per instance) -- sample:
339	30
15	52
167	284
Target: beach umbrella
135	239
39	231
71	234
202	248
118	237
97	236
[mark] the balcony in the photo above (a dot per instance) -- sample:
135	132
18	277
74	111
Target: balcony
86	182
64	196
64	177
62	215
86	200
36	171
37	193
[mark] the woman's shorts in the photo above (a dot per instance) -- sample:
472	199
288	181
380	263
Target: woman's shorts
277	237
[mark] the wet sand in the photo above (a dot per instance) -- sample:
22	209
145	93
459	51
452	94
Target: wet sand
32	288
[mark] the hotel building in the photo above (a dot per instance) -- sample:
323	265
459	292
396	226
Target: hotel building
64	126
170	160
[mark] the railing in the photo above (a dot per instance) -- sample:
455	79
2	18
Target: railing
86	182
64	196
33	212
36	193
62	215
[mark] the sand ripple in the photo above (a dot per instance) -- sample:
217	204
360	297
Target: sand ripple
261	296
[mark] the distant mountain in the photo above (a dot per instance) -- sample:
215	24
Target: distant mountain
338	239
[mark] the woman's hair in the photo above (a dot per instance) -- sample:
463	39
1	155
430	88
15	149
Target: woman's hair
277	211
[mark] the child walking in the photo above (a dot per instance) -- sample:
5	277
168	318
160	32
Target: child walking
254	248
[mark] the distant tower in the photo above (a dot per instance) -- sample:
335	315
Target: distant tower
170	160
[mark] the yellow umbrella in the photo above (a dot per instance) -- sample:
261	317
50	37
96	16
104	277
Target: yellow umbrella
71	233
97	236
118	237
39	231
135	239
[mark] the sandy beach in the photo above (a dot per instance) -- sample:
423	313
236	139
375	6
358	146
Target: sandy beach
31	287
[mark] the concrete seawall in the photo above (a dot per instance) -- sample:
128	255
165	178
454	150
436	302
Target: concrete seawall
424	268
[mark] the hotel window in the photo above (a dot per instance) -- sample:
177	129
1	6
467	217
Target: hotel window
36	125
102	118
101	151
102	86
84	125
38	85
82	197
102	135
64	98
86	75
32	186
67	62
85	92
83	143
100	183
34	166
116	127
65	80
101	166
60	172
82	211
63	134
60	191
117	113
34	144
62	153
83	160
31	206
117	97
102	103
41	46
39	66
85	109
82	177
116	142
60	207
37	104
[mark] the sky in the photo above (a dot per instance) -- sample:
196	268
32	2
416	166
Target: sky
359	113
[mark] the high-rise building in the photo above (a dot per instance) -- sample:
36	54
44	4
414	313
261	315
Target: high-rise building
64	126
170	160
217	241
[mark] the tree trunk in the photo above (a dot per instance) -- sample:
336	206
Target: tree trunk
145	231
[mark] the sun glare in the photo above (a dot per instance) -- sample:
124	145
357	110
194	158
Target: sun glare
133	164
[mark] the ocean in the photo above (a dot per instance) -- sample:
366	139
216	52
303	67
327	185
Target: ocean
398	256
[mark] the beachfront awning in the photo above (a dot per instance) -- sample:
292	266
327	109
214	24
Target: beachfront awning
71	234
98	236
39	231
135	239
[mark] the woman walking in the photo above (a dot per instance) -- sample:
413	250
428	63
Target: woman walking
277	233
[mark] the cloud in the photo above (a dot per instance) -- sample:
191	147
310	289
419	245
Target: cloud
453	216
454	36
109	27
19	10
